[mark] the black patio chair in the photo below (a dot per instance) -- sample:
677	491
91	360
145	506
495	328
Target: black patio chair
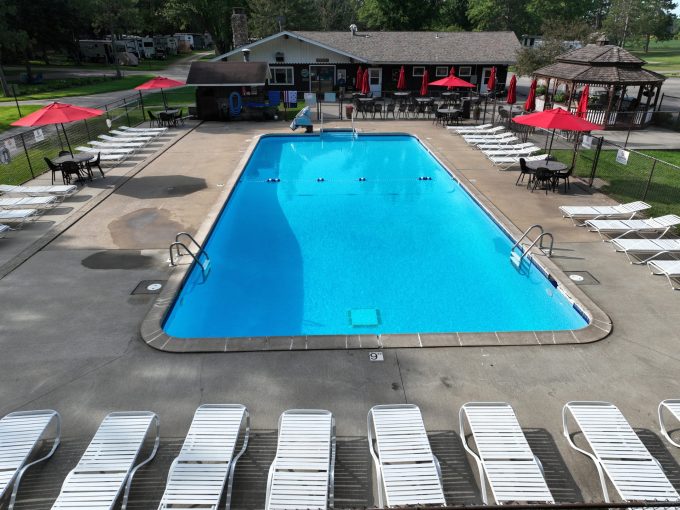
96	162
411	110
544	177
54	168
70	169
564	175
179	118
377	108
390	108
153	120
166	119
402	111
524	170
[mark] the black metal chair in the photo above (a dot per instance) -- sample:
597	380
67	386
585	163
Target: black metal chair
166	119
557	176
390	108
402	111
544	177
69	169
54	168
179	118
524	170
153	119
377	108
94	163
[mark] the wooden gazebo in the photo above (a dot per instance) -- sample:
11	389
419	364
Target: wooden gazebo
613	69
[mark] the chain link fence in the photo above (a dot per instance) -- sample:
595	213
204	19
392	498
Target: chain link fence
22	155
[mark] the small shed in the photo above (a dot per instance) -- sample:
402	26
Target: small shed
230	90
612	70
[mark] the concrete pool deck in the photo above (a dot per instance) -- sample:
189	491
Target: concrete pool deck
70	338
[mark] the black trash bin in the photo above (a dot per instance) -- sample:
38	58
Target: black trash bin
465	107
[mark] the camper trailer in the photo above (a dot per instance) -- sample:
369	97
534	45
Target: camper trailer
126	52
149	47
165	43
96	50
185	42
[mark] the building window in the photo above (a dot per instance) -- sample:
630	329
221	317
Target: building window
465	71
282	76
441	71
418	70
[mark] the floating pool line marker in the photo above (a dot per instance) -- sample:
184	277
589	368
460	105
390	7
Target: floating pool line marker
425	178
362	179
320	179
273	179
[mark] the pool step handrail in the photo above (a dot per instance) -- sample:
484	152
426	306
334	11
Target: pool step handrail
196	256
525	251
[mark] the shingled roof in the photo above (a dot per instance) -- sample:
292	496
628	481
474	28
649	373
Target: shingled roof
410	47
228	74
600	65
424	47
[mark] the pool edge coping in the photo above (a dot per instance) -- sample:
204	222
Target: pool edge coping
152	333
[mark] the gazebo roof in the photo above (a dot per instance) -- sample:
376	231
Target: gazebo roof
600	65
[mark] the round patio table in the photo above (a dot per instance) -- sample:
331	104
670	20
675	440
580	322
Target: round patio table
80	158
402	94
553	166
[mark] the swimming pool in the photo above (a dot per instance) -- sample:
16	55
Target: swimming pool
335	235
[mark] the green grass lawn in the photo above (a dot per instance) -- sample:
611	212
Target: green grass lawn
9	114
75	87
663	56
631	182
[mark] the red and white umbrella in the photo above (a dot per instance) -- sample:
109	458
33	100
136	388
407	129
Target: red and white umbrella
58	113
401	82
423	86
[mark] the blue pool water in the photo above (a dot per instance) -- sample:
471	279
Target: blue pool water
391	254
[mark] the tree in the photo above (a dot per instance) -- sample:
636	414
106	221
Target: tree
113	17
452	16
212	16
398	14
270	16
335	14
639	20
12	38
502	15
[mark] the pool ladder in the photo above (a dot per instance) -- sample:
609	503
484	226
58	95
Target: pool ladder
205	265
517	257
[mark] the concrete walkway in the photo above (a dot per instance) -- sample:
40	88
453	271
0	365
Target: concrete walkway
70	338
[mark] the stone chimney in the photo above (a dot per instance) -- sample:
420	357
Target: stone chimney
602	40
239	27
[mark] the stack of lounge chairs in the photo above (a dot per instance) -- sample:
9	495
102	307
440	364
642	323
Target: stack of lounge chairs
301	476
502	147
22	204
616	223
120	144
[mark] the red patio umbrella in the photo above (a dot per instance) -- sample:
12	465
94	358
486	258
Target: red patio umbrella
451	81
512	91
360	79
423	87
160	82
530	103
365	86
491	84
554	119
58	113
401	82
582	109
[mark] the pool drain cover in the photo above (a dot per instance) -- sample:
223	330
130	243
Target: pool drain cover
362	317
149	287
582	278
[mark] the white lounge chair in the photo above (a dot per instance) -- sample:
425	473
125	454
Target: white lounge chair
406	470
486	132
503	455
489	138
109	463
116	145
21	435
111	150
301	475
206	461
4	230
669	268
618	453
609	228
505	162
121	139
636	249
672	406
465	129
579	214
33	202
18	216
145	134
513	151
504	146
143	130
59	191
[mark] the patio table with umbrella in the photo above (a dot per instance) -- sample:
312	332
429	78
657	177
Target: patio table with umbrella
555	119
160	83
58	114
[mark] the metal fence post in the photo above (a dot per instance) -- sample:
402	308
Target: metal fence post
649	181
14	91
28	158
127	115
141	103
87	129
596	160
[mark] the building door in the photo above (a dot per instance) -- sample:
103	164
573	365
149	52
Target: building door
375	80
486	72
321	78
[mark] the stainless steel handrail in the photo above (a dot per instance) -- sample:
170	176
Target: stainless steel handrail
177	244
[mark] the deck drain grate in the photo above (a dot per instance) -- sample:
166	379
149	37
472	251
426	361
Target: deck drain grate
362	317
149	287
582	278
